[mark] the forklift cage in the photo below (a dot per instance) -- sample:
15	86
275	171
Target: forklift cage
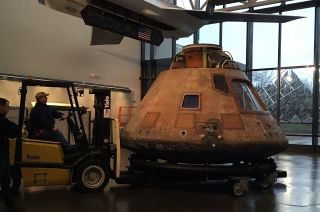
74	105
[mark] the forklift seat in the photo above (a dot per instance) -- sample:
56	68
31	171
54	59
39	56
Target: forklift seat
70	152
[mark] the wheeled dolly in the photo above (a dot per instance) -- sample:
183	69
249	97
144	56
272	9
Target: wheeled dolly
238	175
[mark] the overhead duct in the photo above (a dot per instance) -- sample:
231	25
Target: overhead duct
112	22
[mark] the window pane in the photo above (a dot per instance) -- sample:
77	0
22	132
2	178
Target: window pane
164	50
298	39
190	101
234	40
220	83
299	140
265	84
184	4
147	51
187	40
265	45
296	96
183	42
209	34
245	97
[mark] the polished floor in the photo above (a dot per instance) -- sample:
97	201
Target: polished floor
300	192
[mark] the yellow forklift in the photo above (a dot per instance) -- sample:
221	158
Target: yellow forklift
42	163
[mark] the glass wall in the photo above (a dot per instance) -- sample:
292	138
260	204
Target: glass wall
298	39
164	50
296	95
234	40
210	34
265	45
265	84
297	84
146	51
296	100
294	109
183	42
296	104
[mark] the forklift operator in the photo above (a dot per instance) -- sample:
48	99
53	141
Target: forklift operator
8	129
42	121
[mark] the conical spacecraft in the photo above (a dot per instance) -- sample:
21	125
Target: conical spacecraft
203	110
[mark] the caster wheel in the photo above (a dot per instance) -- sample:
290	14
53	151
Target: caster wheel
239	186
265	181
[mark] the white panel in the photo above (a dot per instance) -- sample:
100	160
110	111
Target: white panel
38	41
164	50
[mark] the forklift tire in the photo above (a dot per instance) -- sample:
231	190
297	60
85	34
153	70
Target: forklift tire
15	181
92	176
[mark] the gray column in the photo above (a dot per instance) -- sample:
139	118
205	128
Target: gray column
315	111
249	48
196	35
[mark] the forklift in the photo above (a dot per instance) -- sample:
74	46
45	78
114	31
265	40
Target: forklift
43	163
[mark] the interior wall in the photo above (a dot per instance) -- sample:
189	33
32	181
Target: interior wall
59	95
38	41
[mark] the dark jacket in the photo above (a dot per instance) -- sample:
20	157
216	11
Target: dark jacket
8	129
43	117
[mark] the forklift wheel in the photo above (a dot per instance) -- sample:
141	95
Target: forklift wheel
92	176
15	180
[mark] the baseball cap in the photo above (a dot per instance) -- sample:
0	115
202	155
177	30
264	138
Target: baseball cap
40	95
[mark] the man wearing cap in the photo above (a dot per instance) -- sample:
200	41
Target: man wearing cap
42	120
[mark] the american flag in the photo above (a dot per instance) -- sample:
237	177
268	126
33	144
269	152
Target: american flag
144	33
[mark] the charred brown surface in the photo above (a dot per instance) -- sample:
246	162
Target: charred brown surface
208	152
203	109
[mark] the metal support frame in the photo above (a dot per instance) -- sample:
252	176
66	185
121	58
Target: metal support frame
315	110
196	35
17	157
279	69
100	104
74	104
255	4
174	41
289	7
143	77
220	33
153	63
173	47
249	49
221	30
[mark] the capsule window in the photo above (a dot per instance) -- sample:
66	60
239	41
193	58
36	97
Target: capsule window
178	62
220	83
245	96
191	101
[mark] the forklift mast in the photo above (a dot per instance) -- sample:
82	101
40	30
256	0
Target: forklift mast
102	102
